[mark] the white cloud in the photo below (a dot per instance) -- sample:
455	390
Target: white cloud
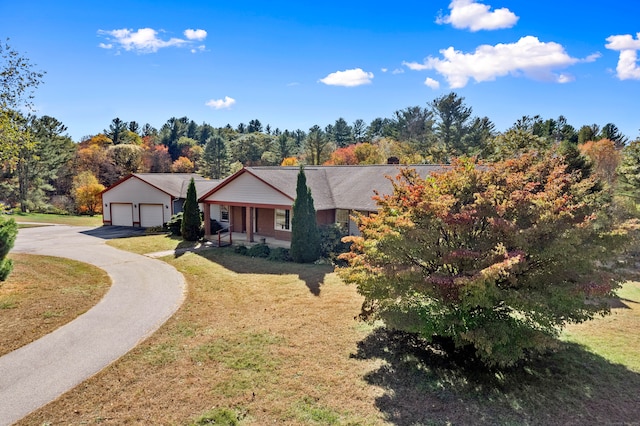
623	42
477	16
434	84
397	71
145	40
593	57
384	69
628	68
348	78
227	102
528	56
195	34
565	78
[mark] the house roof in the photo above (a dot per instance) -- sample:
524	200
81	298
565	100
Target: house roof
174	184
341	187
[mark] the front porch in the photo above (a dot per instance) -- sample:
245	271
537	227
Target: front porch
241	238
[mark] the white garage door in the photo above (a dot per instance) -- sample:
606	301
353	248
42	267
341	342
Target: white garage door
151	215
121	214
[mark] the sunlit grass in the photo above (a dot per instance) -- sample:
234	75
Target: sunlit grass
150	243
43	293
615	337
57	219
271	342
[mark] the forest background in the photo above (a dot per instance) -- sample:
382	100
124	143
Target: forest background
43	170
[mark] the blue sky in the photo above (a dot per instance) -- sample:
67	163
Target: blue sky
296	64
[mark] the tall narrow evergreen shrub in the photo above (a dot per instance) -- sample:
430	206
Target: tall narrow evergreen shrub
8	233
191	222
305	237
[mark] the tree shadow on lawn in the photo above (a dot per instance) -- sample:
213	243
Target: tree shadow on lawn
312	275
570	386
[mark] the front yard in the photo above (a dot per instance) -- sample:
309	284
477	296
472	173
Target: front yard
279	343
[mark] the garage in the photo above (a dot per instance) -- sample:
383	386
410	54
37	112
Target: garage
122	214
149	199
151	215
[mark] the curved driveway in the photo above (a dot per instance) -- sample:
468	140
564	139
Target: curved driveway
144	294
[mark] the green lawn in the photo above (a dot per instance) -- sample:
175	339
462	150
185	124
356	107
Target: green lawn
272	342
46	218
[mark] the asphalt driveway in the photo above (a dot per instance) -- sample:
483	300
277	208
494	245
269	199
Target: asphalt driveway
145	293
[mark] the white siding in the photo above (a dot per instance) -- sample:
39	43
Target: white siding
136	192
246	188
214	212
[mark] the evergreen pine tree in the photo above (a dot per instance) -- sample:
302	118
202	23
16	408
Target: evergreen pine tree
190	228
305	237
8	233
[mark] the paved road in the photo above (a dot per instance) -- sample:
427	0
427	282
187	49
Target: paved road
145	293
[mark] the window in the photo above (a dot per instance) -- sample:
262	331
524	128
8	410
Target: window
342	218
224	213
283	220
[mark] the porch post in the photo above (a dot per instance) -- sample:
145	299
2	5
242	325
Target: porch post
207	219
249	221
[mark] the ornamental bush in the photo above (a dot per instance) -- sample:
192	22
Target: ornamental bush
495	258
191	220
305	237
8	234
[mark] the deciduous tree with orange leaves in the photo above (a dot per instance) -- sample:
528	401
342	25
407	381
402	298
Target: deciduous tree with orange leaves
86	192
494	258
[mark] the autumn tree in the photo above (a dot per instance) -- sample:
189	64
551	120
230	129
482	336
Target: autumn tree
183	165
289	161
604	158
87	193
514	142
344	156
496	259
126	158
305	237
191	221
18	82
157	159
8	234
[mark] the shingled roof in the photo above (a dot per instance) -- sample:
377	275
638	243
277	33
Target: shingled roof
338	187
176	184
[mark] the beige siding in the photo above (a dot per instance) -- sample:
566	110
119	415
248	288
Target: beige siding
248	189
136	192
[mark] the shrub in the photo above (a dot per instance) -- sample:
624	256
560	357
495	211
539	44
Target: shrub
8	233
191	219
305	238
175	224
331	245
241	250
259	250
279	254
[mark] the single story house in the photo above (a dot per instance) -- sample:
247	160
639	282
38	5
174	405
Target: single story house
258	200
149	199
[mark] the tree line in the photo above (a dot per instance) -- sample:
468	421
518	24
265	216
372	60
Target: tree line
42	168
